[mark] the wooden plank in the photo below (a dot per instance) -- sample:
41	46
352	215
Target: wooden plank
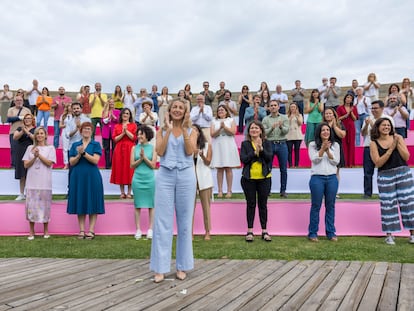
69	284
322	290
288	291
337	294
374	287
389	295
235	286
79	288
287	275
270	276
357	289
32	282
406	295
167	293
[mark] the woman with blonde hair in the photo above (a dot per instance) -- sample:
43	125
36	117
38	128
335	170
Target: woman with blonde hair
371	88
163	103
38	160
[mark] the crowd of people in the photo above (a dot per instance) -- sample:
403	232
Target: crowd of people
192	134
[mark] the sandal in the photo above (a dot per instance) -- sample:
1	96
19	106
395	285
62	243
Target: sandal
129	196
220	195
180	275
228	195
90	235
81	235
122	196
266	237
315	240
249	237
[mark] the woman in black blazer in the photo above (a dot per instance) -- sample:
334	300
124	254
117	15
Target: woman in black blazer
257	156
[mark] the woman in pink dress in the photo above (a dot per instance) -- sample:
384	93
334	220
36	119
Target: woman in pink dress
124	135
38	160
347	114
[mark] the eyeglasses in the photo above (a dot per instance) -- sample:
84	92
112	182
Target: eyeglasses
206	85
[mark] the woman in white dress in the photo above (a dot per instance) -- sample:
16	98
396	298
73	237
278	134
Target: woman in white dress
225	153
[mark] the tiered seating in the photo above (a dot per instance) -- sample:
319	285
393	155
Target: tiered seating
304	159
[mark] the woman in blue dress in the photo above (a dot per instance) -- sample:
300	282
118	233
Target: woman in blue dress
85	182
175	192
143	161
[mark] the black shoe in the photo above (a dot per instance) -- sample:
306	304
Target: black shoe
283	195
366	196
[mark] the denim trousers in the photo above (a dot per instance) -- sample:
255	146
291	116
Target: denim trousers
358	126
281	151
323	186
56	133
42	115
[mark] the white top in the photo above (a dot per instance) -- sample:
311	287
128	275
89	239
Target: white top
367	138
323	165
363	105
279	97
148	121
372	91
230	104
204	118
39	176
203	172
32	97
129	101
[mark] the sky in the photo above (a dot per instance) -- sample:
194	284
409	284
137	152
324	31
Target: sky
171	43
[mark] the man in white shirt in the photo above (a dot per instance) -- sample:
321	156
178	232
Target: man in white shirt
202	115
363	106
377	109
281	98
129	98
322	89
32	95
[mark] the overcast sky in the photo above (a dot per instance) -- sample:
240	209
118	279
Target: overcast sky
171	43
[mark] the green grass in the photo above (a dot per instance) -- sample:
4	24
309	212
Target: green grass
220	247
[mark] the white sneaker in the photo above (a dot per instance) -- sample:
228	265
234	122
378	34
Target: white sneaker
390	240
46	236
20	197
30	237
149	234
411	239
138	235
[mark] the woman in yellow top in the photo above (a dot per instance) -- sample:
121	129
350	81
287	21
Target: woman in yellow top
117	97
44	104
257	156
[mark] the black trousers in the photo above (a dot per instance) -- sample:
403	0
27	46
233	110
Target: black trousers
251	189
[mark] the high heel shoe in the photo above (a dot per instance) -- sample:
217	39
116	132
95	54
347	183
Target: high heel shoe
158	278
220	195
228	195
181	275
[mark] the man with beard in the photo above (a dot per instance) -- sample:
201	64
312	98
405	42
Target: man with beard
377	109
230	104
399	113
58	105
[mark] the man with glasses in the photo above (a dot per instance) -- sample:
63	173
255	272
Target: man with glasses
399	113
143	97
202	115
377	110
58	105
15	116
276	127
208	95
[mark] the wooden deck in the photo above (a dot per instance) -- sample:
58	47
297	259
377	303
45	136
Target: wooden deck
84	284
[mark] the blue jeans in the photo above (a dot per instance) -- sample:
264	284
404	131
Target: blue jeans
369	167
42	115
56	133
281	151
358	126
320	186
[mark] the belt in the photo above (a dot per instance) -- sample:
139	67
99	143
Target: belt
278	141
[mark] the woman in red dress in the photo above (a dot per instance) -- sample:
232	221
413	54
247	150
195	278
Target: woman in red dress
124	135
347	114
